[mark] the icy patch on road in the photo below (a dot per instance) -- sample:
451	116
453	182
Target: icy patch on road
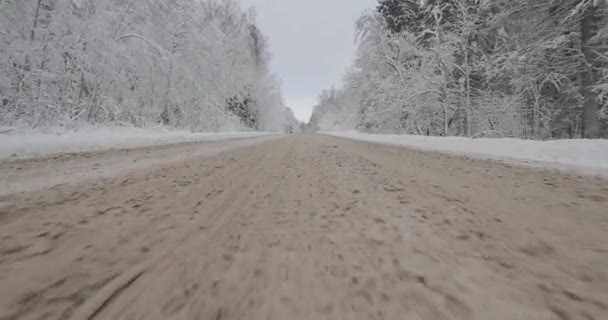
32	143
591	155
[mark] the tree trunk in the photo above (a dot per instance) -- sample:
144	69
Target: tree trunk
467	75
445	119
590	24
536	112
166	115
36	16
443	95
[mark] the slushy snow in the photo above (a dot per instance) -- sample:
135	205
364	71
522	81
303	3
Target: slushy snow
31	143
588	155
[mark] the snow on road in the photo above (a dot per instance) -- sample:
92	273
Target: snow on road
30	143
301	227
586	155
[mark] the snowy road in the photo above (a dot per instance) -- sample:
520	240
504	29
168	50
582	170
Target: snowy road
301	227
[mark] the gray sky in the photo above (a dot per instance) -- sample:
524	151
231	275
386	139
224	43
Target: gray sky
312	43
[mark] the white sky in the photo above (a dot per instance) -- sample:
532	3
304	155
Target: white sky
312	43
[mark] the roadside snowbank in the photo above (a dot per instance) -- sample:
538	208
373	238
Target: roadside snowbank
589	155
31	143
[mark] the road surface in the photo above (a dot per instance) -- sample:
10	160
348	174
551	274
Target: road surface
300	227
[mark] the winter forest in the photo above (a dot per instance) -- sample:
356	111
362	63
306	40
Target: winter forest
531	69
189	64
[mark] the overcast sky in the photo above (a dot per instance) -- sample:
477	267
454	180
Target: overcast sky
312	43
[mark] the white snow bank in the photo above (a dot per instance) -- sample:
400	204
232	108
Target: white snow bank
589	155
31	143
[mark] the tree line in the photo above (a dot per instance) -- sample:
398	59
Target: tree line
198	65
532	69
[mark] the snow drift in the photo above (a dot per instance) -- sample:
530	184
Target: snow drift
31	143
590	155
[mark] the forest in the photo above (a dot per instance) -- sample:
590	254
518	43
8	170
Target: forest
530	69
188	64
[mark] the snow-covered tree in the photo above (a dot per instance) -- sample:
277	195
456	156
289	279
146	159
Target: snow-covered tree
201	65
521	68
